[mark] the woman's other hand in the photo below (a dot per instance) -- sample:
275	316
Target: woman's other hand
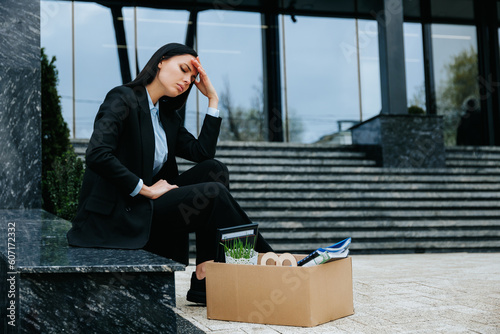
157	190
204	84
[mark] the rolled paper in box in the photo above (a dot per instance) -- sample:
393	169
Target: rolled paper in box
278	259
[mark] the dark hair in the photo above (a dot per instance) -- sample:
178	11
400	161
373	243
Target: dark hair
149	72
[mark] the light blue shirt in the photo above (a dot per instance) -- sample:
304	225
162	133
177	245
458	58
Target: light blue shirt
161	148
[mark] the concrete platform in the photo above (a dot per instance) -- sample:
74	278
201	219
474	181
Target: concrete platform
404	293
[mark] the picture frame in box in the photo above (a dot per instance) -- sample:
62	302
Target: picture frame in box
226	234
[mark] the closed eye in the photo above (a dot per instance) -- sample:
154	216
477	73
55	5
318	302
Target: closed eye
185	69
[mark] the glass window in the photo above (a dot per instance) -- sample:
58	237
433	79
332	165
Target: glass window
55	37
414	61
369	64
456	70
129	23
157	27
323	91
97	68
230	49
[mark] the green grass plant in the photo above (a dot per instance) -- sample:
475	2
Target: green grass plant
236	249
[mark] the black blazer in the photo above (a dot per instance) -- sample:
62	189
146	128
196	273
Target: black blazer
120	152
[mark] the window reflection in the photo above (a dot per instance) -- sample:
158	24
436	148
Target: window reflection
97	68
321	78
230	48
456	71
414	61
369	69
157	27
323	92
55	37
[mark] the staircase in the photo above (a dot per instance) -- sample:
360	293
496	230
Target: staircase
310	196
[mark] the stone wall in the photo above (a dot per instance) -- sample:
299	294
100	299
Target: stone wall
20	105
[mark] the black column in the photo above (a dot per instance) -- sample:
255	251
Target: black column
190	41
401	140
272	75
392	57
489	64
430	86
121	43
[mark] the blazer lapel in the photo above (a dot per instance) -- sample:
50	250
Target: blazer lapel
147	135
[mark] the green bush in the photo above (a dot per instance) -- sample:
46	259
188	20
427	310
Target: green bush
55	132
416	110
62	171
63	184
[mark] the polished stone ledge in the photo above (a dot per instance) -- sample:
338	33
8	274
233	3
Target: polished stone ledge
56	288
41	247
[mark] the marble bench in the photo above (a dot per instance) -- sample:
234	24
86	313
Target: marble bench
54	288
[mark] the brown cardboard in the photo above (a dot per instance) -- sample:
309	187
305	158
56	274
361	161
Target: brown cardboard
296	296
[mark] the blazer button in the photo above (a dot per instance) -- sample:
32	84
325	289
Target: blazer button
128	209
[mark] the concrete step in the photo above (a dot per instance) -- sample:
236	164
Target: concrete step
309	196
298	186
340	204
452	213
264	146
353	195
473	156
260	161
350	178
473	150
333	170
312	236
398	246
437	223
307	153
473	163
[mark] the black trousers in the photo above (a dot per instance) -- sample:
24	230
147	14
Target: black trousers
201	204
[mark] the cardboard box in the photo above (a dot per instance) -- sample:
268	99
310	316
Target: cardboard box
296	296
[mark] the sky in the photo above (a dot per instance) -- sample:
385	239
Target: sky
322	85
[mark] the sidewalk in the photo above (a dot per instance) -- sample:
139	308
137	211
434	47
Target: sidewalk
404	293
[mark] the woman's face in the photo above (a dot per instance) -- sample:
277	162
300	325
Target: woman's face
176	74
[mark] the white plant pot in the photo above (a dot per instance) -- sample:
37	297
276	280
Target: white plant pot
252	260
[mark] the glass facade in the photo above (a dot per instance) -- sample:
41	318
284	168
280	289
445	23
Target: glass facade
456	73
333	82
97	67
414	61
56	37
330	68
321	80
230	47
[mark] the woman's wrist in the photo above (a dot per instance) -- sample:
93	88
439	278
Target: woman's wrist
146	191
213	102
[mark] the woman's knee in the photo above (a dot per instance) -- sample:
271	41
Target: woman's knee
217	171
214	189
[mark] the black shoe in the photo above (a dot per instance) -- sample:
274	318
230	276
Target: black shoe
198	291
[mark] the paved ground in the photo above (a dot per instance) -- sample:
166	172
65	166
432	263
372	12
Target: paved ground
410	293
